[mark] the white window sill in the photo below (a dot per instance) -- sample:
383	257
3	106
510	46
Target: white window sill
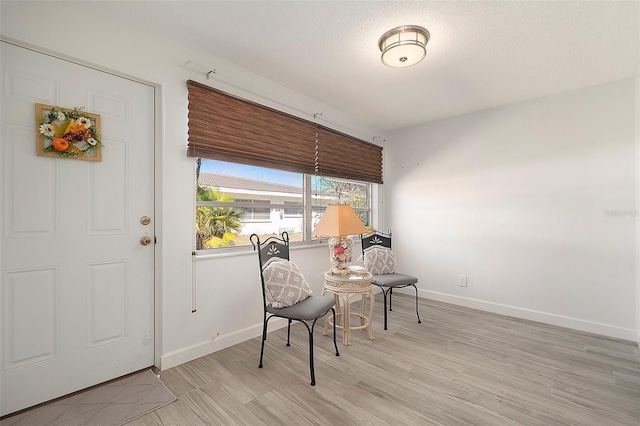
248	250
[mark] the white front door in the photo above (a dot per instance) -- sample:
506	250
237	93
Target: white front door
77	289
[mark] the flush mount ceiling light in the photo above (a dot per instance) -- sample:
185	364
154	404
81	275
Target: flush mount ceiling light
404	46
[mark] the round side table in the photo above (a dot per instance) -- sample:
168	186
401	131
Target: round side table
344	287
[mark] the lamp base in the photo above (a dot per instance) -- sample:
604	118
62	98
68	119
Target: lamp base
340	254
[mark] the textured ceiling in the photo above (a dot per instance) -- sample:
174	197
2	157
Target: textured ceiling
481	54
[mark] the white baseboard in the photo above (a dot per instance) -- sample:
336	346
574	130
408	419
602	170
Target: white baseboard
189	353
530	314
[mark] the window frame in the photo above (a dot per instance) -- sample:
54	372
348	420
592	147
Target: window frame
306	207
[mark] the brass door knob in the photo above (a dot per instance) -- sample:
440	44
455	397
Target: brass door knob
145	240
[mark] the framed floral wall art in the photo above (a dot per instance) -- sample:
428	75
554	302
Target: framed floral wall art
67	133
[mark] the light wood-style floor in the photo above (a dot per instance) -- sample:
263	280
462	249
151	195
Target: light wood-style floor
460	366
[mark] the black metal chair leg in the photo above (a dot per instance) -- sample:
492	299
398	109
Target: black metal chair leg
334	331
311	367
289	333
264	327
264	337
416	288
384	296
390	294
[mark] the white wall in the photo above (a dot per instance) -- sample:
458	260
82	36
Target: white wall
228	293
521	199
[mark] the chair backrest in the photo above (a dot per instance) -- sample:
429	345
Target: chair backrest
376	239
269	249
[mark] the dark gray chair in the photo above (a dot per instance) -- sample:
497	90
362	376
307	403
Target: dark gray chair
387	282
308	310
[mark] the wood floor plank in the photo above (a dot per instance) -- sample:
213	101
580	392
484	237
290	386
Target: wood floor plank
626	378
176	382
233	378
607	397
215	403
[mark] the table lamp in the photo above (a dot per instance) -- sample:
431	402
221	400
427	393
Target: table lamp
339	222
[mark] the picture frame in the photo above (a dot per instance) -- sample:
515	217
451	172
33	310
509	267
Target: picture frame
77	135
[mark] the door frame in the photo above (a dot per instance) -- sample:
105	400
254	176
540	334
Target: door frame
157	138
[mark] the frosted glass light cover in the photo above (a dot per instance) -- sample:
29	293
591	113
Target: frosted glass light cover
403	55
404	46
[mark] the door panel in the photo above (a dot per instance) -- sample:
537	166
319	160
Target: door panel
77	286
30	306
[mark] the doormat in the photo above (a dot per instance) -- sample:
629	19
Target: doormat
111	404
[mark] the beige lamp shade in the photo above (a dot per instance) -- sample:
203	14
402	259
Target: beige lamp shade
339	220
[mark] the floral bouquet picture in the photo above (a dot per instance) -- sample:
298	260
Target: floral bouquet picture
67	133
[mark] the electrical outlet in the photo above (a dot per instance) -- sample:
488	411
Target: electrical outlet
462	280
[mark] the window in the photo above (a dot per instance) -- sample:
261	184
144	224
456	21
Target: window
234	201
292	211
326	191
255	213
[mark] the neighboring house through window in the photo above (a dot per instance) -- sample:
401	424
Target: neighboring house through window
255	213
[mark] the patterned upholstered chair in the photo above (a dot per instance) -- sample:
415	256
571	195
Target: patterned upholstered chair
286	294
380	261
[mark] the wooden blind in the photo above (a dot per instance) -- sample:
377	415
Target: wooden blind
224	127
343	156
